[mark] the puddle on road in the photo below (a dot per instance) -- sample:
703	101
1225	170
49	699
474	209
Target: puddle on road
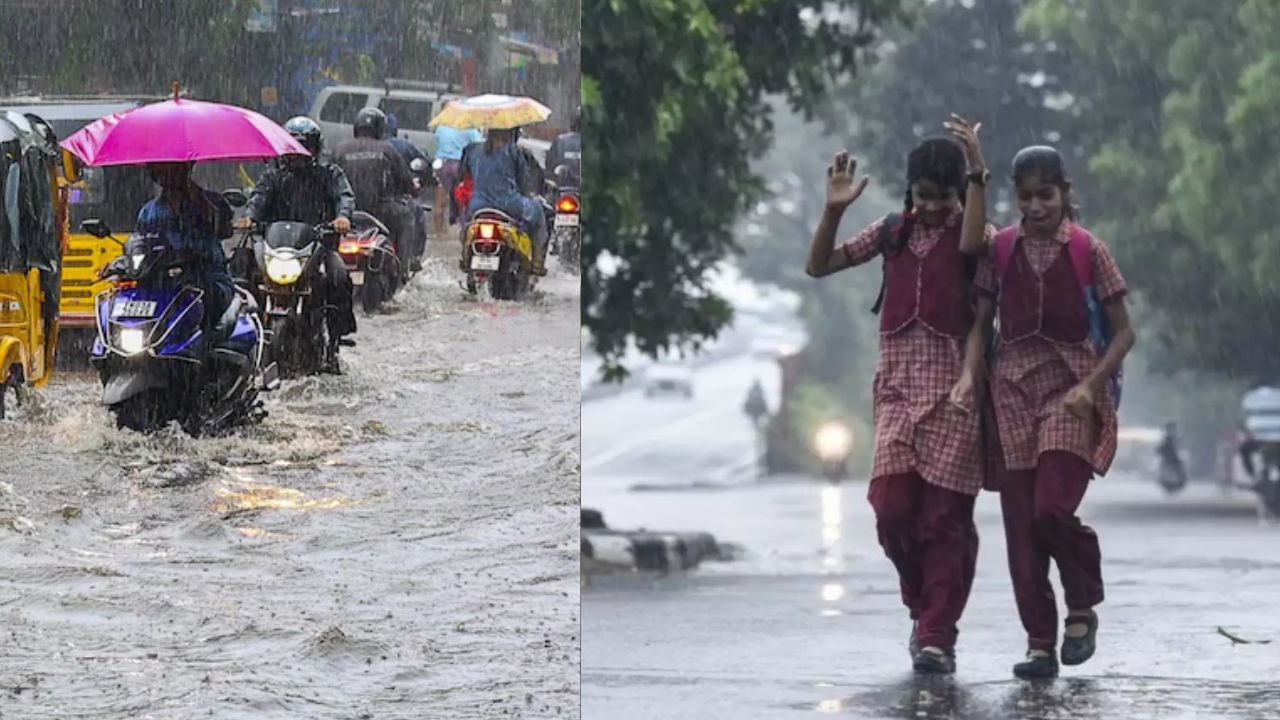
243	496
1077	698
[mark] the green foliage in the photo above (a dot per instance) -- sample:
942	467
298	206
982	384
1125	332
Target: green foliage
674	106
1178	121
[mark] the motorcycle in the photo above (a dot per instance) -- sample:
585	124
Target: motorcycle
497	253
158	356
371	261
567	225
1172	475
289	259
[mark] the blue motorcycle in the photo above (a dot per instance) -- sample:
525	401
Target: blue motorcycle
160	359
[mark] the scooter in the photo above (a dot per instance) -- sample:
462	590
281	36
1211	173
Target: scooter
161	359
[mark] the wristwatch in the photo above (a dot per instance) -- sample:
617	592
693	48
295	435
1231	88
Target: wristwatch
979	177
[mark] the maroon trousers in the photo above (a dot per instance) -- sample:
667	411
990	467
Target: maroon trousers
928	534
1040	523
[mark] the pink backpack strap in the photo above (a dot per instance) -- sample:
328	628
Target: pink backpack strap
1080	247
1006	241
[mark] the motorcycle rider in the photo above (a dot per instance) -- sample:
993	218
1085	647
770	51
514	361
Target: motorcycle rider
381	180
410	152
500	170
451	145
309	190
566	150
1168	450
191	219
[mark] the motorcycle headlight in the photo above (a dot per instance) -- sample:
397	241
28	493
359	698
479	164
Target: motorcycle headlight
132	341
833	441
284	271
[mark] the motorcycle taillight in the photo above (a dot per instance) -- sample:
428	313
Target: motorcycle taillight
568	204
486	247
488	231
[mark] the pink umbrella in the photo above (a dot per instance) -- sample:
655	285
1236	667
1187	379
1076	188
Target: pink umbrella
179	131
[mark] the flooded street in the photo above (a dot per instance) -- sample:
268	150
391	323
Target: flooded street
400	537
809	622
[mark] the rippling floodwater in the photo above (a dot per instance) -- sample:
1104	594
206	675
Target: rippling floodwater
397	542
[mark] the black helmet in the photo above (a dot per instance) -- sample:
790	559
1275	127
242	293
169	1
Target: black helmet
371	122
307	133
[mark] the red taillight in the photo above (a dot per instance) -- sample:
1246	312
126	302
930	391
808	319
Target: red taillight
348	247
488	231
568	204
486	247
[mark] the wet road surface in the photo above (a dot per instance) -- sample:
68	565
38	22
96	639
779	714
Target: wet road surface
397	542
810	622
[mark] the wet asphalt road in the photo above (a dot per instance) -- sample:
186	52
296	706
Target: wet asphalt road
810	622
397	542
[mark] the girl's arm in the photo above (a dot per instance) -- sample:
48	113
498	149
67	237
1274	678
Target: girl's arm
973	231
1122	341
973	234
963	395
824	258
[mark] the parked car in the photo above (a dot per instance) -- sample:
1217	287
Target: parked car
668	380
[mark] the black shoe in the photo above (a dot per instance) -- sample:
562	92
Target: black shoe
1039	664
934	661
1077	650
346	342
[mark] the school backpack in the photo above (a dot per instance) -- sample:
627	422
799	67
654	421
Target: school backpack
1080	248
895	233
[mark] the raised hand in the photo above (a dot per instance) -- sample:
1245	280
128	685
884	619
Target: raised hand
967	135
842	187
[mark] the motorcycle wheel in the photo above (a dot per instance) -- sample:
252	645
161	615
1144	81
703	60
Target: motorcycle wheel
571	258
500	282
282	347
371	294
140	413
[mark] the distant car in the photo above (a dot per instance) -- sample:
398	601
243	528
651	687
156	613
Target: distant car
668	380
414	104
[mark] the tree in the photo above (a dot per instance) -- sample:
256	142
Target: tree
1176	106
673	94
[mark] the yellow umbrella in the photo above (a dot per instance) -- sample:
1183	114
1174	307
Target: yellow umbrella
495	112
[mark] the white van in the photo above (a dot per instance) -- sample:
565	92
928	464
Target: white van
413	103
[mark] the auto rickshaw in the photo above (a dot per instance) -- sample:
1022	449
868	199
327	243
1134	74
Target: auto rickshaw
113	195
33	236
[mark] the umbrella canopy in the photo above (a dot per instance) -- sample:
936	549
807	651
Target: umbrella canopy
497	112
181	131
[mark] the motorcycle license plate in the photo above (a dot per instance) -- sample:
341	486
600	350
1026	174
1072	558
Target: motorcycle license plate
485	262
566	220
357	277
134	309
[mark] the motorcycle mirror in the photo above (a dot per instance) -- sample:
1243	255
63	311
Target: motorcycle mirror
96	228
235	197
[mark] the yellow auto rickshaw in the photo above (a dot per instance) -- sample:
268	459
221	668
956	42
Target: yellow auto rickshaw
33	235
113	195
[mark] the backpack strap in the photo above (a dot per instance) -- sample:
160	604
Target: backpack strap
1006	241
890	229
1080	247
